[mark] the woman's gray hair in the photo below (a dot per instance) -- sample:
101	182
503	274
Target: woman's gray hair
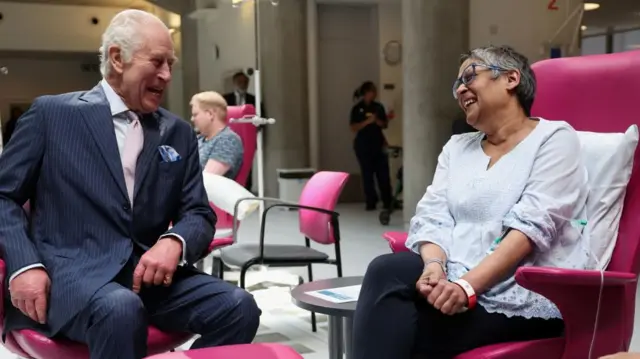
507	58
124	32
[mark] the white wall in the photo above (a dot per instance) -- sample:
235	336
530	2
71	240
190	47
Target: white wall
43	27
232	30
34	28
347	56
49	74
390	29
526	25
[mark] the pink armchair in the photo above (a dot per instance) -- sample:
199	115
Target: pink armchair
248	134
593	93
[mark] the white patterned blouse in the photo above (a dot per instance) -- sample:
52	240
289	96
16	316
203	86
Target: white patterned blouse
539	188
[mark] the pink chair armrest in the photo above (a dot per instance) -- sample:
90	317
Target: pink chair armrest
396	241
576	293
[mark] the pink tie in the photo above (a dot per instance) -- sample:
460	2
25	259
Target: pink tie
130	151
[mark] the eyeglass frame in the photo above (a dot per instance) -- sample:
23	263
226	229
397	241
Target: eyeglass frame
460	80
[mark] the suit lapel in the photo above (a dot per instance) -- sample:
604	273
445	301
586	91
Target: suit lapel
152	127
97	117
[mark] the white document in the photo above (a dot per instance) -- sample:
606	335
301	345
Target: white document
338	295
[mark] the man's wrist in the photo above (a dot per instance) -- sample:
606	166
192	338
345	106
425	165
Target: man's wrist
177	243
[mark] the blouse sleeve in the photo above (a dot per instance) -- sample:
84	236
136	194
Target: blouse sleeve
433	222
556	185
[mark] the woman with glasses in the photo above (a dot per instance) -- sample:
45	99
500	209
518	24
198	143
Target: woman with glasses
504	197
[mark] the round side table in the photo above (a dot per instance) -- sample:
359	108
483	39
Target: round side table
340	314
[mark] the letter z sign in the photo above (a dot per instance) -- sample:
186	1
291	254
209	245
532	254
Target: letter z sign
552	5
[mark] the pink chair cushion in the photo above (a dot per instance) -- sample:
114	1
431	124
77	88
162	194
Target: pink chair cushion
219	243
322	191
396	241
552	348
246	351
37	346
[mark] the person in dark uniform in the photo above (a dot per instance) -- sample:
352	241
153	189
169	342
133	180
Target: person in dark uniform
368	119
239	97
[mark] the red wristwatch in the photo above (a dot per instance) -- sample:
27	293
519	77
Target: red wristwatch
472	299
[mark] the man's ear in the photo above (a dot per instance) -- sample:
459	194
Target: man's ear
513	79
115	57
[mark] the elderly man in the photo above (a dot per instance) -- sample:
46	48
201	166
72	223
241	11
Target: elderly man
106	171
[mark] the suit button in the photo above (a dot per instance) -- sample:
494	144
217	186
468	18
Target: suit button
126	207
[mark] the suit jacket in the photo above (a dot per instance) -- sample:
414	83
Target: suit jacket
64	159
249	99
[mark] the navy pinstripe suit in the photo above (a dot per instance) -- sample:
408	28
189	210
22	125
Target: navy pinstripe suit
64	158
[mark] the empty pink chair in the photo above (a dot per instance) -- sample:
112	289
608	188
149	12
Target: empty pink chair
318	222
600	94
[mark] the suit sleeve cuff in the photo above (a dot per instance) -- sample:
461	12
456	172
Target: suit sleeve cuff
184	246
24	269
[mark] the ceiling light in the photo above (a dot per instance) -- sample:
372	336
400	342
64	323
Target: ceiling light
583	27
236	3
588	6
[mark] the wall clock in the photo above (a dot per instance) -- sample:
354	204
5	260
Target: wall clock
392	53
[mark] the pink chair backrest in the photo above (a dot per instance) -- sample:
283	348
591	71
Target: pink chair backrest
599	93
248	134
322	191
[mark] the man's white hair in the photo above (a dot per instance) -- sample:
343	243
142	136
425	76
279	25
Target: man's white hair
124	32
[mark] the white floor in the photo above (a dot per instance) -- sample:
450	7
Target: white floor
361	242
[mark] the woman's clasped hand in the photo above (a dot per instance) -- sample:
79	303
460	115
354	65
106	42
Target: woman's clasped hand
445	296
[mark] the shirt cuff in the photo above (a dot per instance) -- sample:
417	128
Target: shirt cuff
184	246
24	269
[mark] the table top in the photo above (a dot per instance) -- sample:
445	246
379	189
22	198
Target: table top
301	299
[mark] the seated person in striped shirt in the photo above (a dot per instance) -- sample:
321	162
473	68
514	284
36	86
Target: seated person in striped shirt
220	148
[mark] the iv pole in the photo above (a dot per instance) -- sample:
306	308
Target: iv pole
258	120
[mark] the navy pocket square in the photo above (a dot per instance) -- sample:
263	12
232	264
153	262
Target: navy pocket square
168	154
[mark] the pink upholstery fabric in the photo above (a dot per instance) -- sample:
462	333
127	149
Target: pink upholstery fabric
322	191
247	351
396	241
248	134
592	93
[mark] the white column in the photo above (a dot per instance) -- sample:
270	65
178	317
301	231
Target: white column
434	34
312	78
529	26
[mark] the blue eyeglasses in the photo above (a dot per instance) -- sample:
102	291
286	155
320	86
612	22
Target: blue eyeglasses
469	74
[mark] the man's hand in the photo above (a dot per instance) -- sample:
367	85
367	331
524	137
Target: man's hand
158	264
447	297
431	275
622	356
30	292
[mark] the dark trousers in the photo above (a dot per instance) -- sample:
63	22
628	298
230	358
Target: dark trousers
392	321
374	167
115	323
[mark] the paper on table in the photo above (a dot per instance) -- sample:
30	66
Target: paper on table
338	295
